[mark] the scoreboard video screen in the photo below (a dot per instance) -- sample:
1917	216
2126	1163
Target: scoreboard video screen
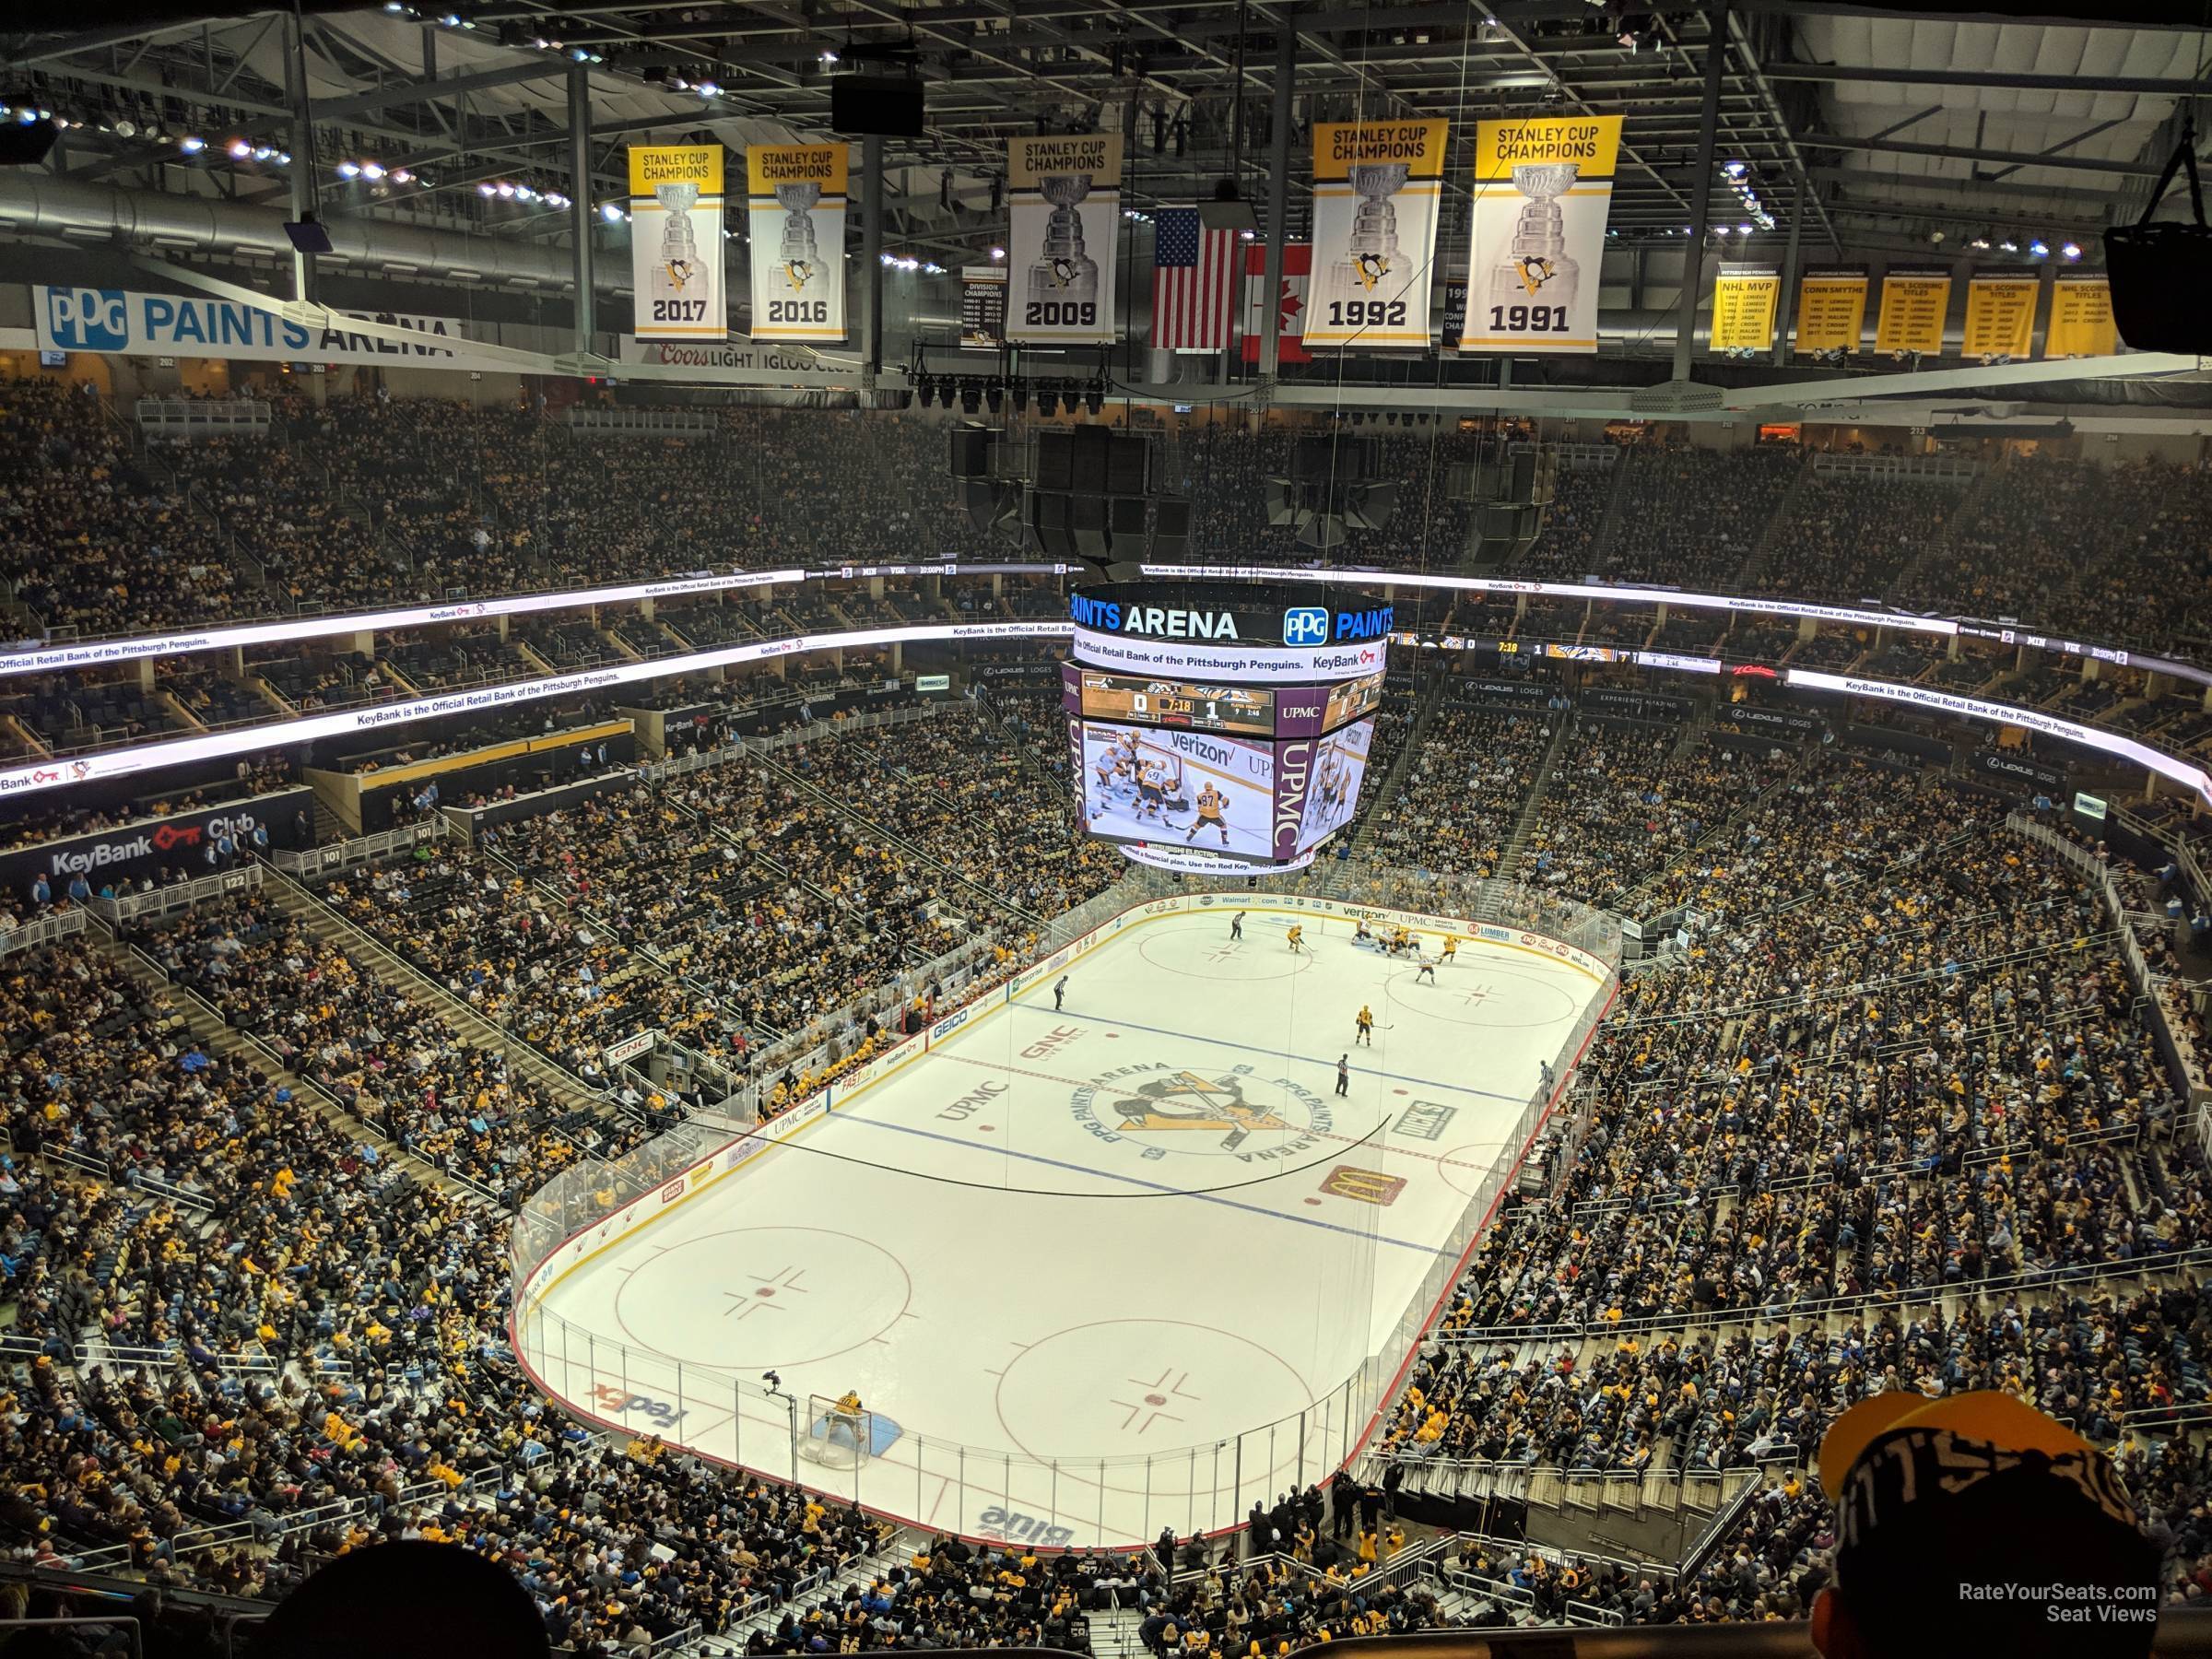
1188	788
1245	709
1350	699
1339	768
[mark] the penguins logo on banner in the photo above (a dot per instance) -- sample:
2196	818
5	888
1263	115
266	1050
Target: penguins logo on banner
795	207
676	262
1064	195
1543	191
1376	189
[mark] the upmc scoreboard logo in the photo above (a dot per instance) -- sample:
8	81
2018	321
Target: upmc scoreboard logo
1306	625
88	319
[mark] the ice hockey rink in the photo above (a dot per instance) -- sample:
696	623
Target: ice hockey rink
1092	1271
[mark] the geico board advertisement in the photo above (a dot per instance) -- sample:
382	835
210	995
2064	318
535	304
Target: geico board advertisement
1064	218
1333	792
121	322
676	259
1176	786
1542	192
796	204
1376	189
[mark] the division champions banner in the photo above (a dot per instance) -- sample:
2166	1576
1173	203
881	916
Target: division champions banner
982	307
676	262
2081	316
795	207
1915	299
1376	188
1832	312
2000	316
1744	297
1064	193
1543	190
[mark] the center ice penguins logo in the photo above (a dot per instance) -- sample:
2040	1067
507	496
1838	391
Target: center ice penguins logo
1160	1109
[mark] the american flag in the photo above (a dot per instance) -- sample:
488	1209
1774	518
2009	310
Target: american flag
1193	283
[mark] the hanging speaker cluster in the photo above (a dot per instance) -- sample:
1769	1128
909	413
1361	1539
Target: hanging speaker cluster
1331	487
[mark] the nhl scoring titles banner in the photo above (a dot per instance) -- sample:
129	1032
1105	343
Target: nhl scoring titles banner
796	209
1064	195
1543	191
1376	188
675	263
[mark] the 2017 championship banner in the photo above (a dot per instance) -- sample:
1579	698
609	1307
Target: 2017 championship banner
1543	191
796	206
675	263
1376	188
1065	221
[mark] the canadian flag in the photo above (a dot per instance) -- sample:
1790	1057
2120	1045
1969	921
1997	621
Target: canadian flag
1298	266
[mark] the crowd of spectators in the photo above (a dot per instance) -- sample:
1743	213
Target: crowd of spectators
1845	538
1690	518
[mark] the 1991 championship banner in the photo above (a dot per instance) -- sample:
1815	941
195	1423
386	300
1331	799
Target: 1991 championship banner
1376	186
795	207
1065	198
675	262
1543	191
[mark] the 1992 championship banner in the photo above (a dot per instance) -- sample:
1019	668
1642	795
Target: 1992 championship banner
1543	190
675	242
1376	187
1066	218
795	207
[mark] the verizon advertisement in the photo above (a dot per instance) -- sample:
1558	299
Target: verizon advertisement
151	845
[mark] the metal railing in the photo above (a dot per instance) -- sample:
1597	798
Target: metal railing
1046	1501
178	895
203	416
361	849
41	930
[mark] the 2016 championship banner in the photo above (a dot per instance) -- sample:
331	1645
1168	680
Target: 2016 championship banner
675	262
795	207
1543	192
1376	189
1064	222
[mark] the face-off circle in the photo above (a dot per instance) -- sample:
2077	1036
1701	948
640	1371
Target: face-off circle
763	1295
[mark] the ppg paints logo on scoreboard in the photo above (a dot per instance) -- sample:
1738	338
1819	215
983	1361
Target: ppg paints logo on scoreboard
1311	625
1306	625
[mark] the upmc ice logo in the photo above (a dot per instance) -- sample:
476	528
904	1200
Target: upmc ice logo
88	319
1306	625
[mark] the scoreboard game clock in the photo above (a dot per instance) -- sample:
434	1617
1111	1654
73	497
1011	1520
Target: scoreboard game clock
1221	729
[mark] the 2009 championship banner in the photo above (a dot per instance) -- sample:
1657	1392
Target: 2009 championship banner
675	263
796	206
1065	199
1376	188
1543	191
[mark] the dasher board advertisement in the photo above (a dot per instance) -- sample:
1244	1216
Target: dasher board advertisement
676	260
1213	793
795	207
1063	223
1376	189
1543	190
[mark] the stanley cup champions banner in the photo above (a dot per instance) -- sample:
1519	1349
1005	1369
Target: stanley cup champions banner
1376	188
796	206
1066	195
1543	192
676	262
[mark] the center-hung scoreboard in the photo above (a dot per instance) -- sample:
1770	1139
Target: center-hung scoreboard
1221	729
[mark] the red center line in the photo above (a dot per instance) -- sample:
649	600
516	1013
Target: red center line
1395	1150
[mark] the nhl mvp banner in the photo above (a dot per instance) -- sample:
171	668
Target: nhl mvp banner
1543	191
1065	194
795	207
675	262
1915	299
1376	188
1831	311
1743	308
2081	316
2000	316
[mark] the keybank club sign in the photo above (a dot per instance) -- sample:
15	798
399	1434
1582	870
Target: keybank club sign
1299	624
121	322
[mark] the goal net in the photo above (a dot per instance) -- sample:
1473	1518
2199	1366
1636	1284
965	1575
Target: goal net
836	1435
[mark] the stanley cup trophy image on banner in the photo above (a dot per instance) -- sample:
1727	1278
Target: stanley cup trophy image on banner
1376	187
1065	200
1542	193
675	242
796	206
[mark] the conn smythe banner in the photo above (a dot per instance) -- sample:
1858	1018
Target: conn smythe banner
1376	187
796	197
676	262
1064	225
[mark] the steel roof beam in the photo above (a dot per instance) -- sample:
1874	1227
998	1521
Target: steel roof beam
425	92
2149	85
1952	152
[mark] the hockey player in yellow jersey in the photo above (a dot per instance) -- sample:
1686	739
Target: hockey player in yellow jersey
1212	807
